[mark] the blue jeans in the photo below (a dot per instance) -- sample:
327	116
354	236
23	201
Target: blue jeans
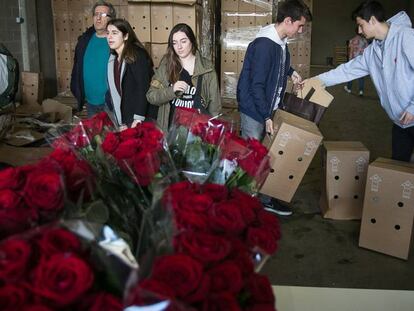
250	128
360	84
94	109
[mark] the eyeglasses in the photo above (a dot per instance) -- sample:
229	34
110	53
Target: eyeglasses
99	14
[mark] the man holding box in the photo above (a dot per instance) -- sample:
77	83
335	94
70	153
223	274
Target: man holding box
263	79
389	60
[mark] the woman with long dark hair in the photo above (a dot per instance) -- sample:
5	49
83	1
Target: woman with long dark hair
129	75
184	78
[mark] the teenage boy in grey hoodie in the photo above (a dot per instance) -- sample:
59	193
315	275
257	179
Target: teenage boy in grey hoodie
262	82
389	60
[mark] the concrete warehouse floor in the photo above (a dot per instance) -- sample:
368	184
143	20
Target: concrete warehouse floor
319	252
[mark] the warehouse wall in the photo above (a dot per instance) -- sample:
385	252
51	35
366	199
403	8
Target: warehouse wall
332	24
9	29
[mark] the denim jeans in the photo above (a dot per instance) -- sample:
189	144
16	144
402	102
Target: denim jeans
94	109
250	128
360	84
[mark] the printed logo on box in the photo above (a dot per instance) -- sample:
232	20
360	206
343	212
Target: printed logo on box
334	164
361	164
408	187
284	139
375	182
310	147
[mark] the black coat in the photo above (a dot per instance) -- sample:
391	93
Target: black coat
134	86
76	82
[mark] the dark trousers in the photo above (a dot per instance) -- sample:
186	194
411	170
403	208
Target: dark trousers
402	143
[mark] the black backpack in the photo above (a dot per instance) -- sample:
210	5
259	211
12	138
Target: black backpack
9	69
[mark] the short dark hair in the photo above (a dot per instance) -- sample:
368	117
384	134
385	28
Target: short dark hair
369	8
112	12
295	9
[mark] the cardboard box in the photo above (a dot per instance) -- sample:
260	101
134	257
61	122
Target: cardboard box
157	52
291	150
388	213
161	22
140	20
32	87
344	171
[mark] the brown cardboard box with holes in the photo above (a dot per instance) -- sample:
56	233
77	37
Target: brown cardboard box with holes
291	150
344	170
388	213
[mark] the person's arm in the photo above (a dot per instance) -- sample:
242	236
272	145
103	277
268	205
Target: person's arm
259	74
353	69
159	94
214	104
407	47
142	73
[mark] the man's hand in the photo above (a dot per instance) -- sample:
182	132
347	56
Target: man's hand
406	118
296	78
135	123
269	127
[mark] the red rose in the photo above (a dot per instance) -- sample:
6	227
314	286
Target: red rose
9	199
211	131
190	220
179	272
128	134
58	240
15	217
77	137
260	290
184	116
80	178
220	302
13	297
127	149
226	277
62	278
14	259
200	203
204	247
269	222
146	165
44	190
65	157
36	307
217	192
226	217
263	239
101	301
10	178
246	199
242	257
110	143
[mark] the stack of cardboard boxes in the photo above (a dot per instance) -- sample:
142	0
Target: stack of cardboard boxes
71	18
152	21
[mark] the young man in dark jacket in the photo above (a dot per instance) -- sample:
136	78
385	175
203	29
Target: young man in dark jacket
89	74
262	82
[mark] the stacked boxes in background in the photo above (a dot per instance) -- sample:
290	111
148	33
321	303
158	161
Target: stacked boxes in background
71	18
32	87
344	169
240	21
152	21
291	151
388	213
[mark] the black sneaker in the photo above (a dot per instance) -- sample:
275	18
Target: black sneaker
278	208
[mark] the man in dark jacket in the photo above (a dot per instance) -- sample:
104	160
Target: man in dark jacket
89	74
263	79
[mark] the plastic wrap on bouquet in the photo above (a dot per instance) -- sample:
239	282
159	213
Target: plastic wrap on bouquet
218	233
244	164
53	268
194	141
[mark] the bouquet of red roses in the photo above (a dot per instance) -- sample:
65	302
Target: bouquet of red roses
194	139
51	268
219	233
244	164
36	194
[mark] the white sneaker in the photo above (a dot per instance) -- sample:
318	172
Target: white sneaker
361	93
347	90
